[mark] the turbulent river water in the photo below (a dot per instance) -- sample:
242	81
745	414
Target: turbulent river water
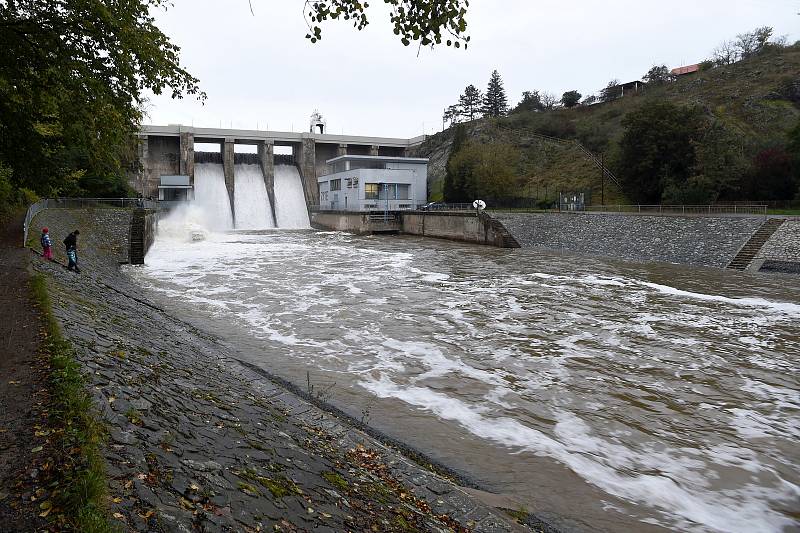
600	394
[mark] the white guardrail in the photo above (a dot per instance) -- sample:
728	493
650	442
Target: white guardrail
81	203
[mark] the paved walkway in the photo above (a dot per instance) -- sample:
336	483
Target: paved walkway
200	442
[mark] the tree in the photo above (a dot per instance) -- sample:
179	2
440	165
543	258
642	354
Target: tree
751	43
720	166
531	101
470	102
725	54
453	189
485	171
772	177
425	21
589	100
495	103
611	91
549	100
657	149
72	74
570	98
658	75
452	114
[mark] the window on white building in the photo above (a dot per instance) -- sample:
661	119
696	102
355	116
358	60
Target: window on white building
336	185
371	191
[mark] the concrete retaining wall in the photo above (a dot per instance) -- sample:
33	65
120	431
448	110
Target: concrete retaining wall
453	226
697	240
457	226
353	222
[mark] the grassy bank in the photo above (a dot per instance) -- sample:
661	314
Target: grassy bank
78	476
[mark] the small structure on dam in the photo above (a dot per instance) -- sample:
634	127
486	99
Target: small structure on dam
374	183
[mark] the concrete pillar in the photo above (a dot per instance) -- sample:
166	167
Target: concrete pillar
227	166
374	149
341	150
308	170
187	156
143	174
267	159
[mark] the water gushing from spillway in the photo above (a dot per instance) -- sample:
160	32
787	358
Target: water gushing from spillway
290	201
211	196
250	200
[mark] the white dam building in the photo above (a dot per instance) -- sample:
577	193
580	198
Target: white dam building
373	182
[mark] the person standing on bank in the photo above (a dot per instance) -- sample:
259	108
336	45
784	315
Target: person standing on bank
47	245
71	242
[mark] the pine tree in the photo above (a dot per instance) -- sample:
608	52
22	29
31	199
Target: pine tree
495	103
470	102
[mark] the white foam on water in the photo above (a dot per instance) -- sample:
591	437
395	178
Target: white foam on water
516	350
602	463
251	202
290	200
787	308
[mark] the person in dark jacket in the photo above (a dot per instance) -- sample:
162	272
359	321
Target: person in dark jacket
71	242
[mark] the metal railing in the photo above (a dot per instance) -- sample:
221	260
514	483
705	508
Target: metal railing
431	206
81	203
735	209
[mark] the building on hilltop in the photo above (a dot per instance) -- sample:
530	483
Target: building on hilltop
373	182
625	89
683	71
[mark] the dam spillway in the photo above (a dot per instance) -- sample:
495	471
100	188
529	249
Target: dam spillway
252	207
290	204
211	196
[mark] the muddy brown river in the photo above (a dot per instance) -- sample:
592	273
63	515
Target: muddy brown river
600	395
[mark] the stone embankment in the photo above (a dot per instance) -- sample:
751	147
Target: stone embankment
781	253
695	240
200	442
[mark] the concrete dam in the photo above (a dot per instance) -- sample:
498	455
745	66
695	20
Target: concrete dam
286	163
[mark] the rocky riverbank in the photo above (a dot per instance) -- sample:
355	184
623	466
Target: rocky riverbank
198	441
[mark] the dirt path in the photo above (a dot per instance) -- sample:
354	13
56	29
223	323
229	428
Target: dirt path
22	384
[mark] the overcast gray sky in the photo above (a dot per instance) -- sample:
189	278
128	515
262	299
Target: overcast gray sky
260	71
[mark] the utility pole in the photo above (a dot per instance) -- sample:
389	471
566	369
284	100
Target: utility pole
602	180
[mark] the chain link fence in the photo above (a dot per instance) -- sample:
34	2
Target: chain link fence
82	203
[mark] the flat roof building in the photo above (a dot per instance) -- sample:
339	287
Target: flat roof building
374	183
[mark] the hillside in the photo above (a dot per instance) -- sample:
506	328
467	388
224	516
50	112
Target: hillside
756	100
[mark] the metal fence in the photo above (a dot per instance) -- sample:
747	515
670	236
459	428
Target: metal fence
680	209
431	206
81	203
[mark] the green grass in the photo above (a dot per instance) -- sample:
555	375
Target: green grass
80	477
795	212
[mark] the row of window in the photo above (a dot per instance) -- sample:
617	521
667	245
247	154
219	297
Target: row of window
386	191
375	191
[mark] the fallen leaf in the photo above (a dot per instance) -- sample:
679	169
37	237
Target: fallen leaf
36	449
119	516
